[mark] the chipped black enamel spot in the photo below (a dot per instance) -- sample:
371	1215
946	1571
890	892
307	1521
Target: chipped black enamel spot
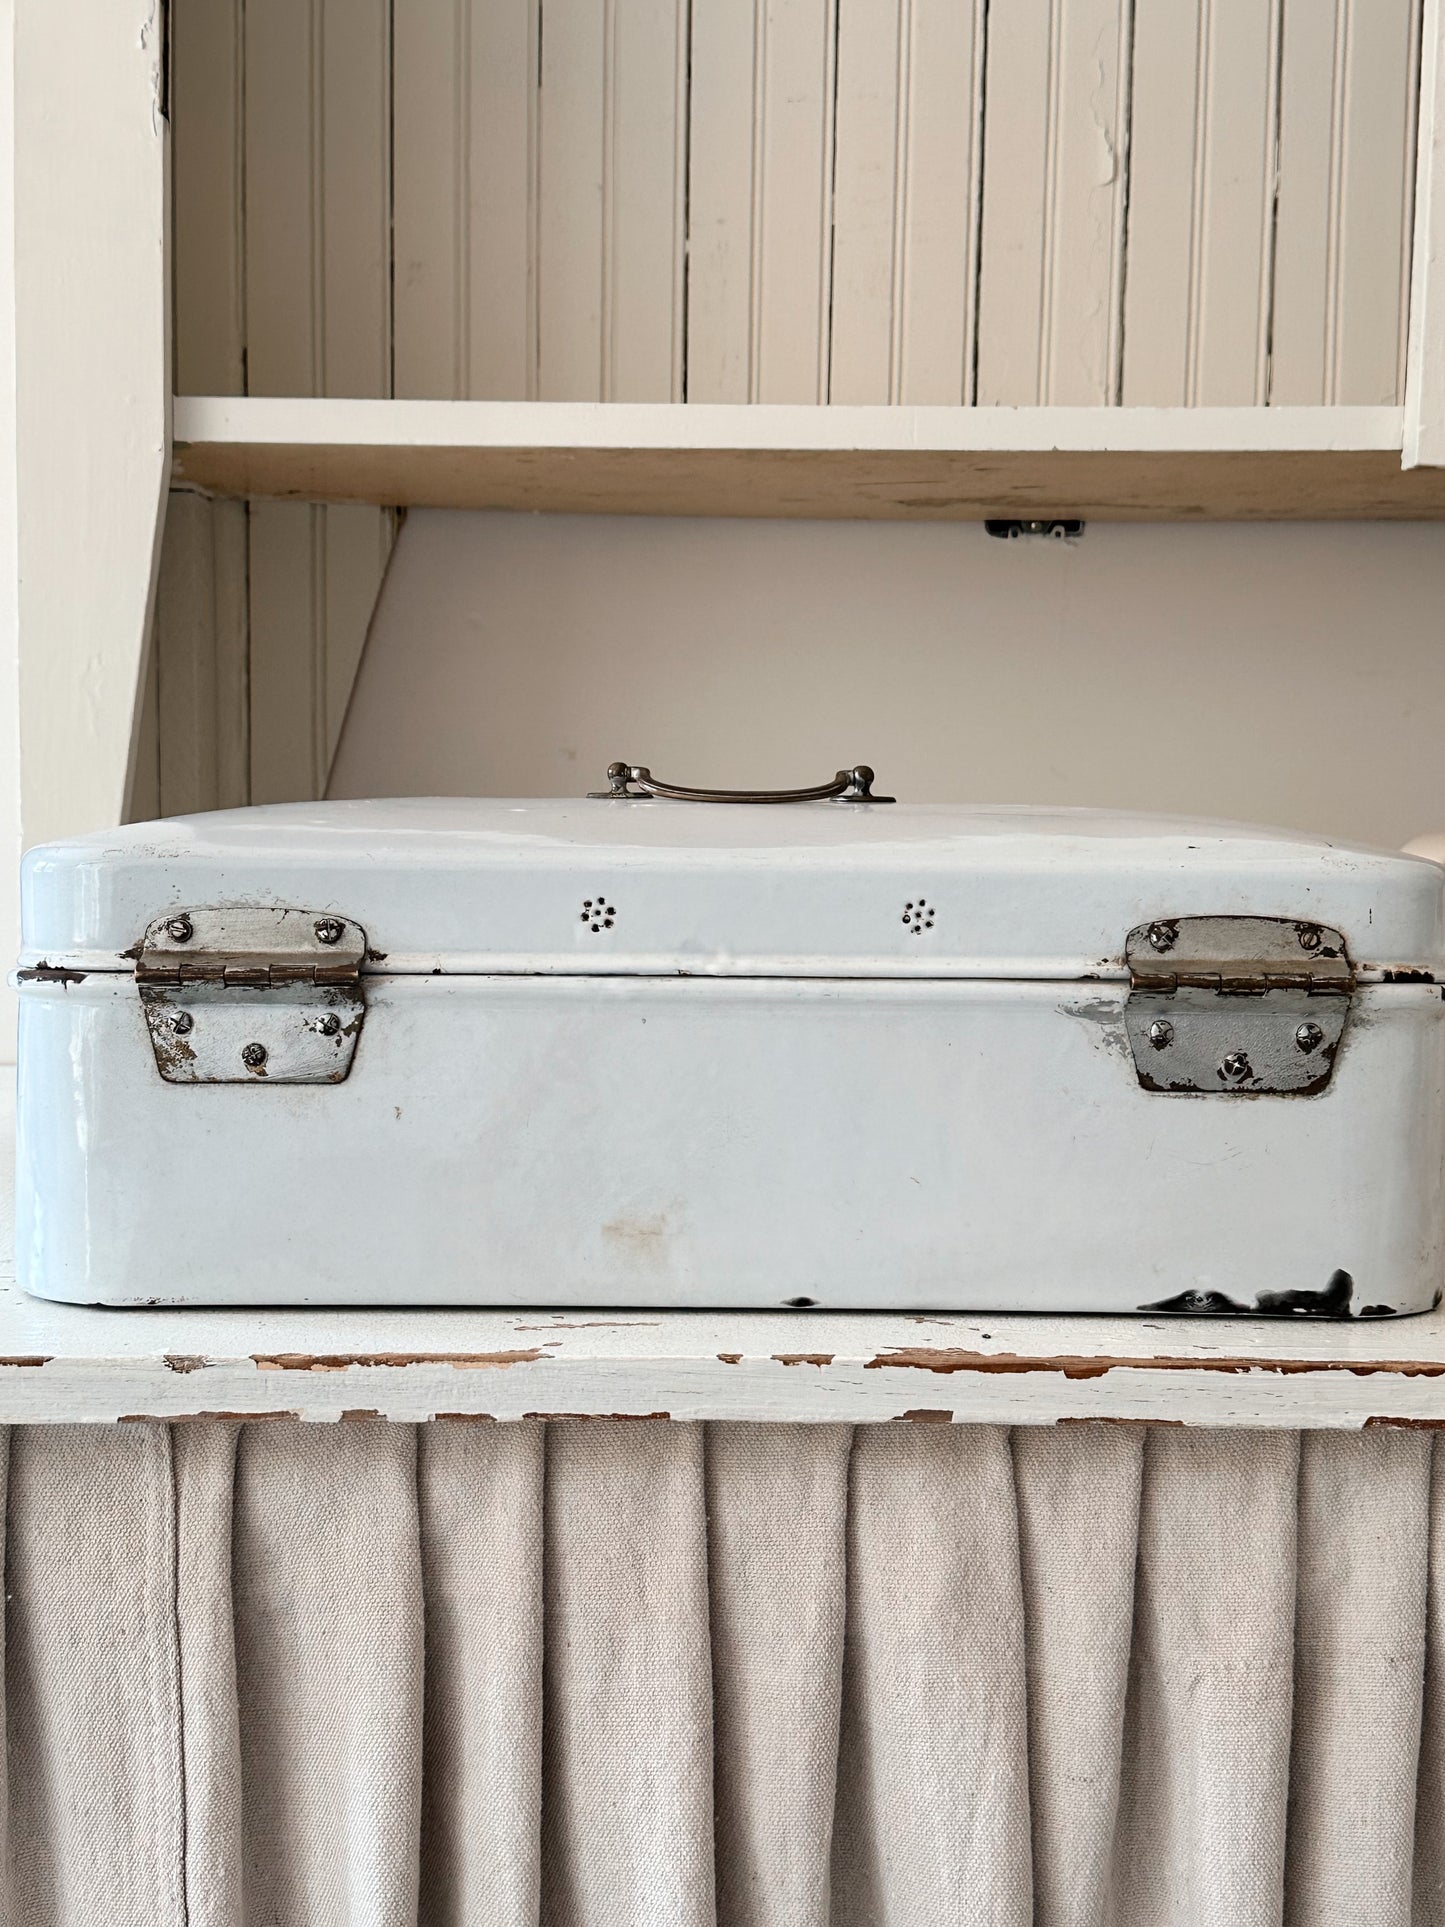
1331	1301
1198	1304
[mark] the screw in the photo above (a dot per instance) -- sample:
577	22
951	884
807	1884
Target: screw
1309	1037
1163	936
330	930
328	1025
1235	1066
1161	1034
1310	938
181	1022
253	1056
180	929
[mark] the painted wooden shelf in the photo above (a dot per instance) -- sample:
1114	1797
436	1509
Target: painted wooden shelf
66	1363
900	463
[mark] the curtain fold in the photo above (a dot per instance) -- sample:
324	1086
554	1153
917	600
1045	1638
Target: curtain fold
933	1756
204	1462
92	1700
327	1600
480	1507
1204	1785
627	1818
596	1672
1364	1526
777	1499
1078	1504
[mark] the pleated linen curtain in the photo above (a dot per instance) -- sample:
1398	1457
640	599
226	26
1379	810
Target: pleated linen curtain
601	1674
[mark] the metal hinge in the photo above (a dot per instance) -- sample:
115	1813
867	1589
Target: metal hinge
236	995
1249	1005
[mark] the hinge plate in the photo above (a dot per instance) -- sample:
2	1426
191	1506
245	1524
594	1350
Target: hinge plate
1236	1006
248	995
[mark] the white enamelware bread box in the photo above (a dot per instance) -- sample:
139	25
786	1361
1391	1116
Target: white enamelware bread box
671	1048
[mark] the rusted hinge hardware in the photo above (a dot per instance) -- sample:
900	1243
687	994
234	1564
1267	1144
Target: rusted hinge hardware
240	994
1246	1005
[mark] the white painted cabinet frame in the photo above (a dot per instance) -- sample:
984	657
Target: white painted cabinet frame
1425	360
92	440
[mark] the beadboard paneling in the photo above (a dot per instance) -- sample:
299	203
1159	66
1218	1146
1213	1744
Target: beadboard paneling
1056	201
1055	192
906	201
208	258
317	213
759	199
313	575
1347	140
612	114
1200	243
262	612
464	116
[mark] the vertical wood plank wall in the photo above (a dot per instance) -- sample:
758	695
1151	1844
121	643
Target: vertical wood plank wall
948	201
282	187
1024	201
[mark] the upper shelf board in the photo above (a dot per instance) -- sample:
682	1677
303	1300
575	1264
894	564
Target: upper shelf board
872	463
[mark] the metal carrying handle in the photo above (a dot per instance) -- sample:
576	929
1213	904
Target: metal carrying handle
631	782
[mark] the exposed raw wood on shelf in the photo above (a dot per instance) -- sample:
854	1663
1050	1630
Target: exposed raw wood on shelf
968	487
418	1365
800	461
92	374
1425	382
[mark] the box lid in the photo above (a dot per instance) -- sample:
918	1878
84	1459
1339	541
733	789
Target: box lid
652	887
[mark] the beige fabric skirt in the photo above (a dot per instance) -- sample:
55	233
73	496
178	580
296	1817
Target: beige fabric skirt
643	1674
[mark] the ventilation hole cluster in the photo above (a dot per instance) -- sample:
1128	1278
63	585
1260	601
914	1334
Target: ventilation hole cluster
918	917
598	913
